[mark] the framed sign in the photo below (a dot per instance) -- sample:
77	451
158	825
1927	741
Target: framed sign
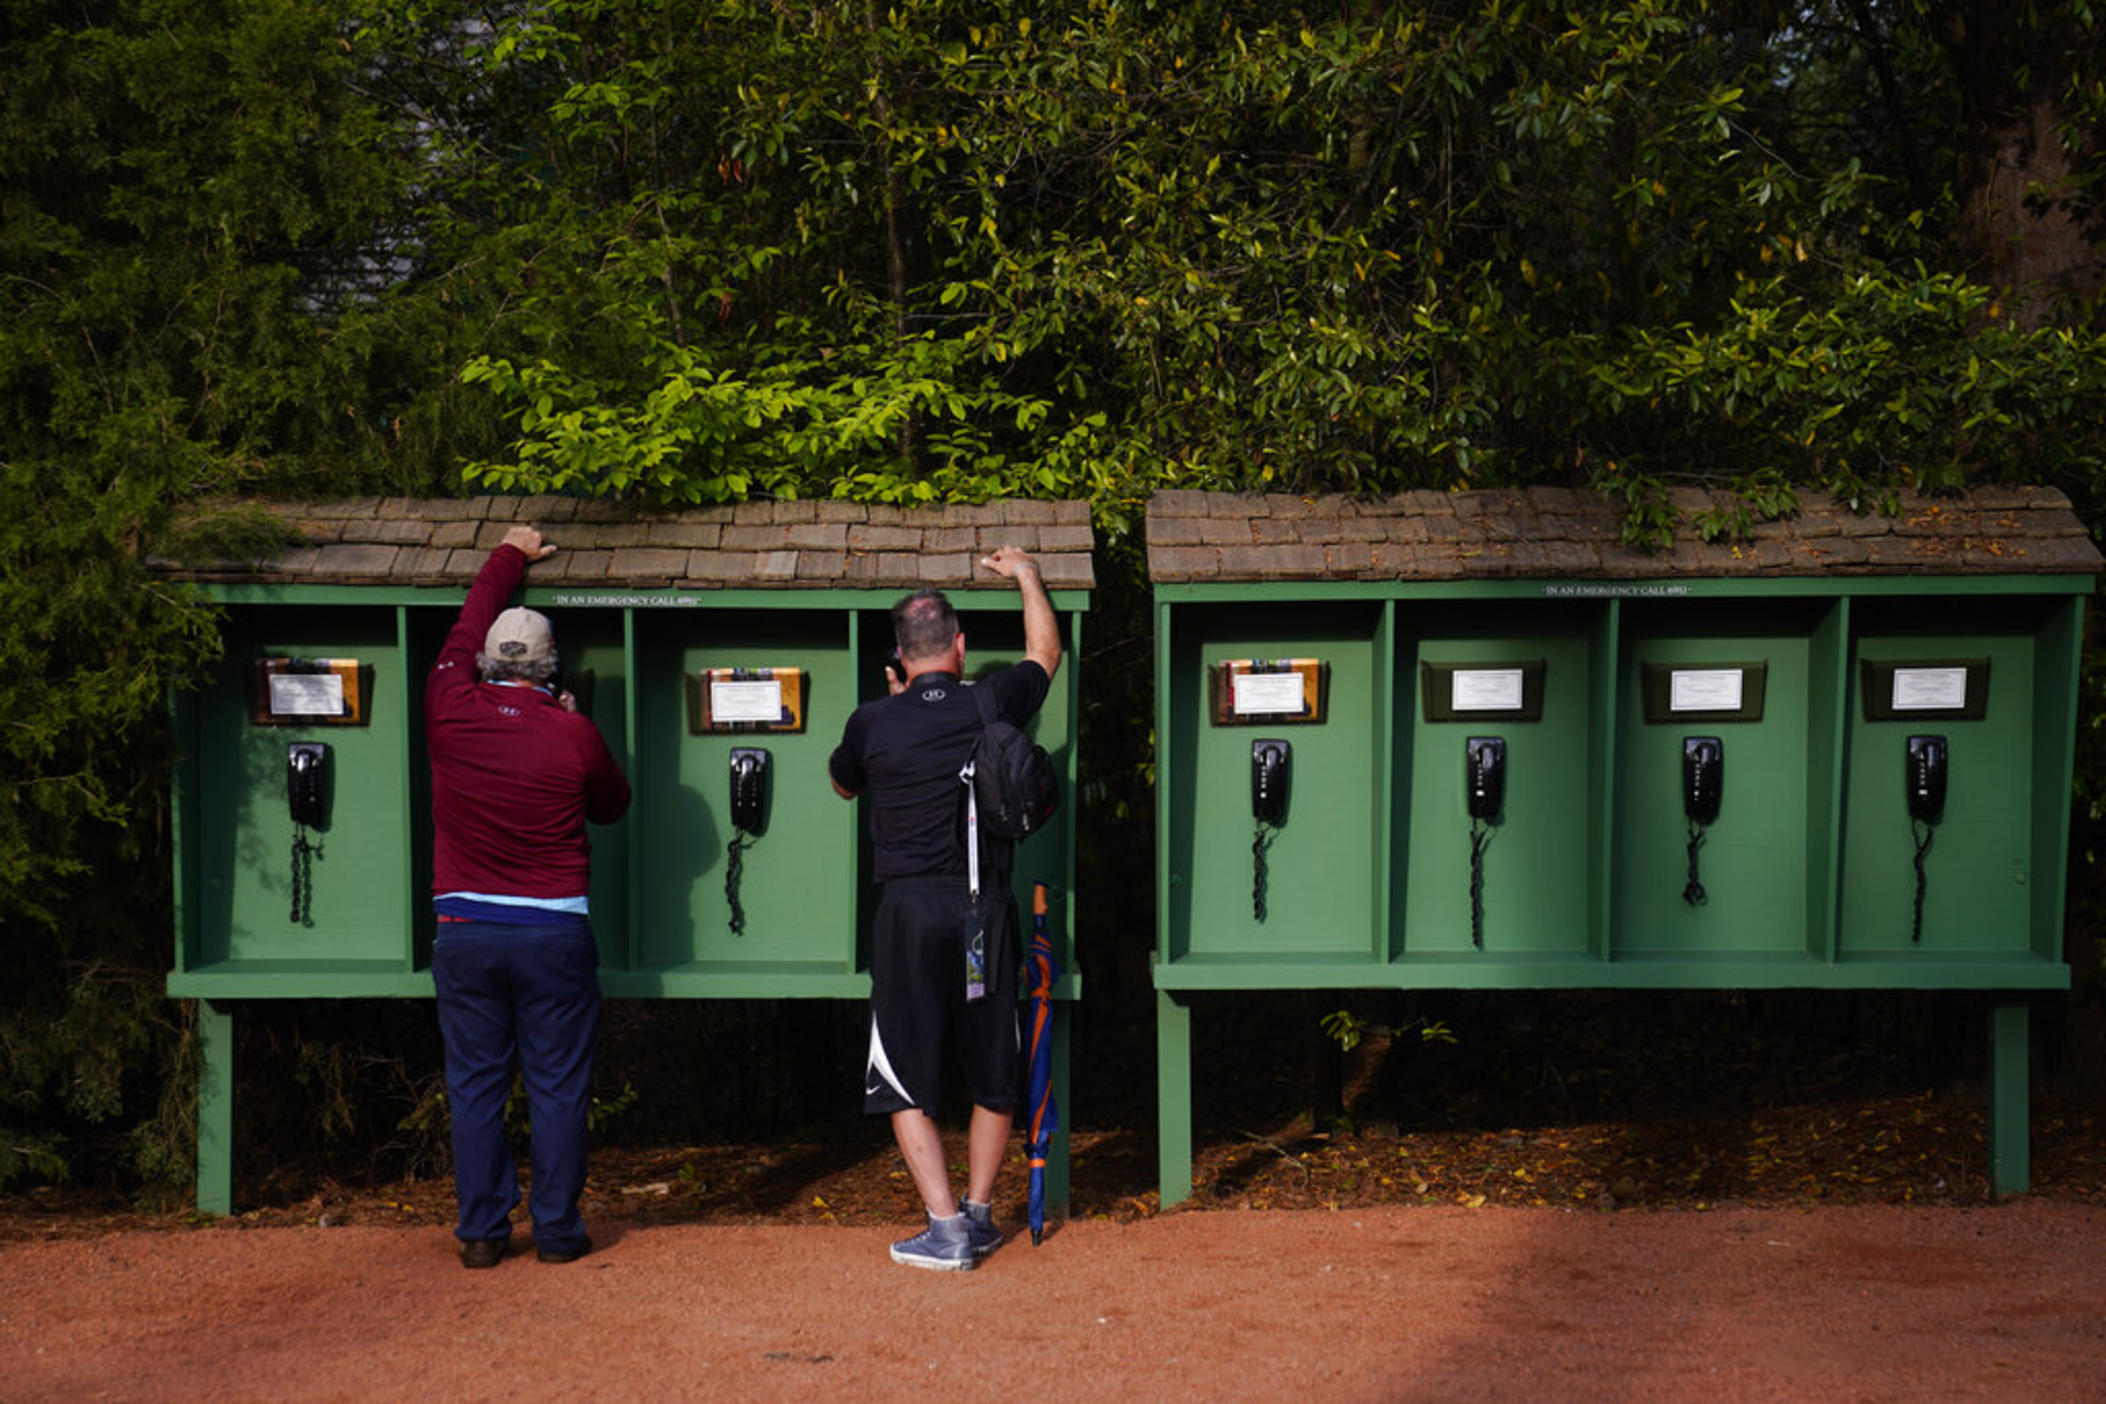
1248	691
309	692
1940	689
721	700
1464	692
1704	692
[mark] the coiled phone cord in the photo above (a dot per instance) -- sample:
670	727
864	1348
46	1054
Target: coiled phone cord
1258	845
1694	894
302	877
1923	843
1480	835
733	853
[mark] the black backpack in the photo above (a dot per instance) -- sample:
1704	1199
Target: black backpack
1012	776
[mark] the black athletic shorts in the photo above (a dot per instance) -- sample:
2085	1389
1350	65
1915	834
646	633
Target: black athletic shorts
917	997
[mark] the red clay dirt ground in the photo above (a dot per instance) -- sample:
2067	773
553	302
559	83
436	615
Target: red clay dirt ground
1383	1303
1840	1250
1577	1199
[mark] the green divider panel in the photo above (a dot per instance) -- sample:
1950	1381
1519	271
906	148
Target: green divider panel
1536	880
1320	868
1752	866
241	836
796	878
1979	872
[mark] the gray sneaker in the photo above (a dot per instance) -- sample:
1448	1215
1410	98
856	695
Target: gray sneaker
980	1228
946	1245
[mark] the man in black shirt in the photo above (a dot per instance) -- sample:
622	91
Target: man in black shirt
906	751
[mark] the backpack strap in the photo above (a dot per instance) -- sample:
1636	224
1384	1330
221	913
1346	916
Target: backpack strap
986	708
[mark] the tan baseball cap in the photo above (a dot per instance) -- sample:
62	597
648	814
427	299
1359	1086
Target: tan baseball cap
520	636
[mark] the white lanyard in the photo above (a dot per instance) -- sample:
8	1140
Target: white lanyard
972	832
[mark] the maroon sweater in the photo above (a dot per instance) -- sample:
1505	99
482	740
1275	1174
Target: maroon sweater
514	777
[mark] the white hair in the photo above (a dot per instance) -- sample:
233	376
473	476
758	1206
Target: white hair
512	670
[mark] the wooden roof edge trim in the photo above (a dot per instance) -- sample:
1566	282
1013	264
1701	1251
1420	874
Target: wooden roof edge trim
424	541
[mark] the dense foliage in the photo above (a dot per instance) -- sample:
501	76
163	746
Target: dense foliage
677	251
183	185
955	253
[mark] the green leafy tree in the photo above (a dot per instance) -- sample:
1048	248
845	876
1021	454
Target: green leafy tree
197	203
960	253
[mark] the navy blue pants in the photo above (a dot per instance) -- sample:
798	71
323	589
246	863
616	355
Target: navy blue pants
526	996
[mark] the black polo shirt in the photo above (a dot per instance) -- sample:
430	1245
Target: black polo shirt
905	751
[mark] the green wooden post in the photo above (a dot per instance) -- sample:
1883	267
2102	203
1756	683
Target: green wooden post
2010	1169
1173	1111
1057	1151
215	1107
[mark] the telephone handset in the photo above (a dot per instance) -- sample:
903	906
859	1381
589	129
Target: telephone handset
307	804
1485	776
749	789
1484	794
1271	763
1703	783
749	819
305	764
1925	776
1703	778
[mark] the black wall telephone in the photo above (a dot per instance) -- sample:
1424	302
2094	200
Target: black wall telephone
1703	777
749	788
306	767
749	819
1703	782
1926	794
1484	775
1926	778
1271	762
1484	792
307	803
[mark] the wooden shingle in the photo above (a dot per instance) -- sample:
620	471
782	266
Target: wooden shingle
1562	533
752	545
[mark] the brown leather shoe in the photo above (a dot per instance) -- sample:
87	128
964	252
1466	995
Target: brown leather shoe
549	1255
483	1252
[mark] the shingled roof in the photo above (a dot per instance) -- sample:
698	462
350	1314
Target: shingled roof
1560	533
768	545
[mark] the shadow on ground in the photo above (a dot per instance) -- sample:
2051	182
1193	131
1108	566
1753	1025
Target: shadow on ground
1596	1101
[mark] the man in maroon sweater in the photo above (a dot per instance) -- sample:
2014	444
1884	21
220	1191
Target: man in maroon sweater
516	773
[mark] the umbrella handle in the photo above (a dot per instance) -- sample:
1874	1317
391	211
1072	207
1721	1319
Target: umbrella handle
1038	899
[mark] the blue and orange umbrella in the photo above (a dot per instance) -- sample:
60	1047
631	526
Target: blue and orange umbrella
1045	1113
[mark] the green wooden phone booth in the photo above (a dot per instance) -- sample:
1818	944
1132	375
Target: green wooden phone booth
1469	741
699	642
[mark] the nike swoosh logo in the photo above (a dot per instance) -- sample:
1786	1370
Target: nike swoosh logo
870	1091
